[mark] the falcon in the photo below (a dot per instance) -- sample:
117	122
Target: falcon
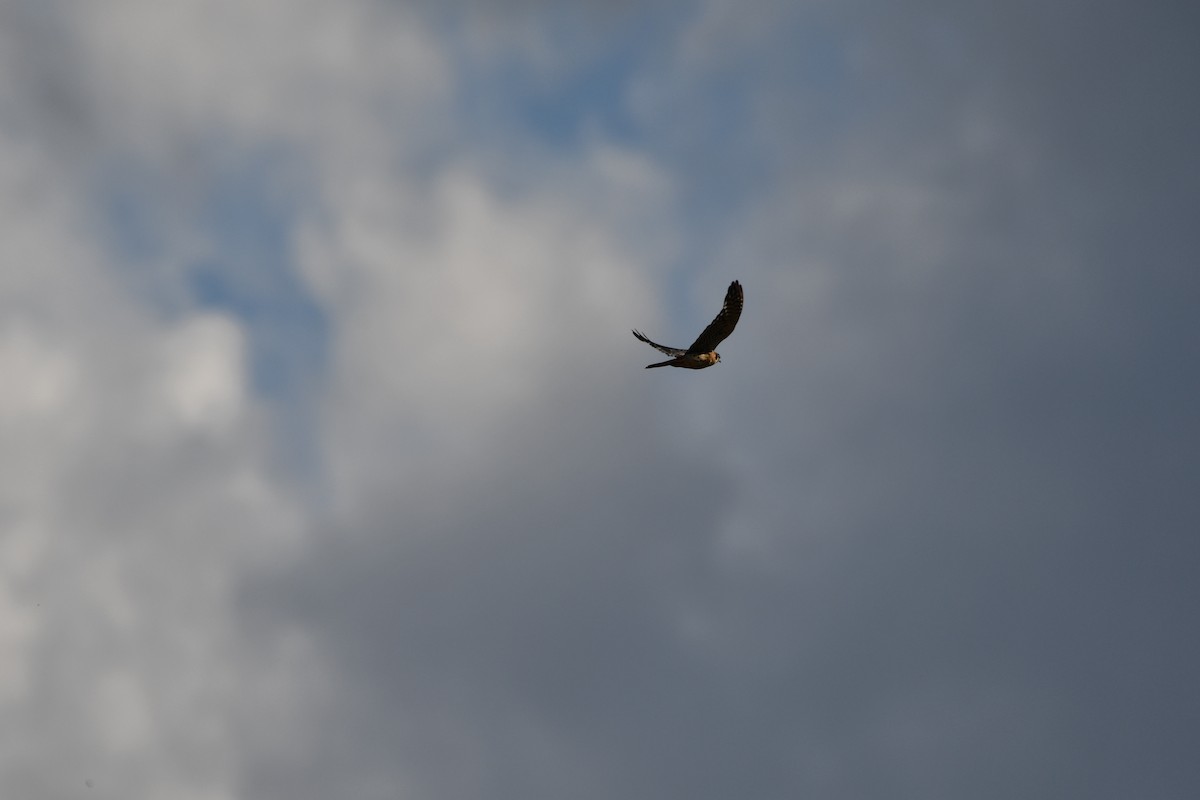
703	352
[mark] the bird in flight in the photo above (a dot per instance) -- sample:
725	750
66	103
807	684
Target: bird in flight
703	352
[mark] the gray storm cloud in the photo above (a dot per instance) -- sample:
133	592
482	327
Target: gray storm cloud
330	468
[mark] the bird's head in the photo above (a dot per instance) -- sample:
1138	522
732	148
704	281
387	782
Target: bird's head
717	356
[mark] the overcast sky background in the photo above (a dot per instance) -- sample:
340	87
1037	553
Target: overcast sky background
329	467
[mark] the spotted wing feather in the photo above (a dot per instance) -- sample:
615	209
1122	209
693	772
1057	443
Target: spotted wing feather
723	325
673	352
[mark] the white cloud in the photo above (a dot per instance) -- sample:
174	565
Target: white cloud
143	494
518	563
18	628
267	71
38	378
123	532
203	373
458	305
121	718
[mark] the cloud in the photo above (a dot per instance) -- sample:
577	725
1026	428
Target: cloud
330	468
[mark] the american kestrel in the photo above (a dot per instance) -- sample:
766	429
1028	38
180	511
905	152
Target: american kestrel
703	352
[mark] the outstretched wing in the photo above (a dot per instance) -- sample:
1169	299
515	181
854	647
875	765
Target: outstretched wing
673	352
723	325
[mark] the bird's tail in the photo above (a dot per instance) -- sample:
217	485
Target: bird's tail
666	363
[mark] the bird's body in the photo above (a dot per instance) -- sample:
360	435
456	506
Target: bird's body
686	361
703	352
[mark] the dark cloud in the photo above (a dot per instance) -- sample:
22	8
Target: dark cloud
999	447
960	471
926	532
47	79
526	612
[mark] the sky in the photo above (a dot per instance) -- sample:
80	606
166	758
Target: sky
329	466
